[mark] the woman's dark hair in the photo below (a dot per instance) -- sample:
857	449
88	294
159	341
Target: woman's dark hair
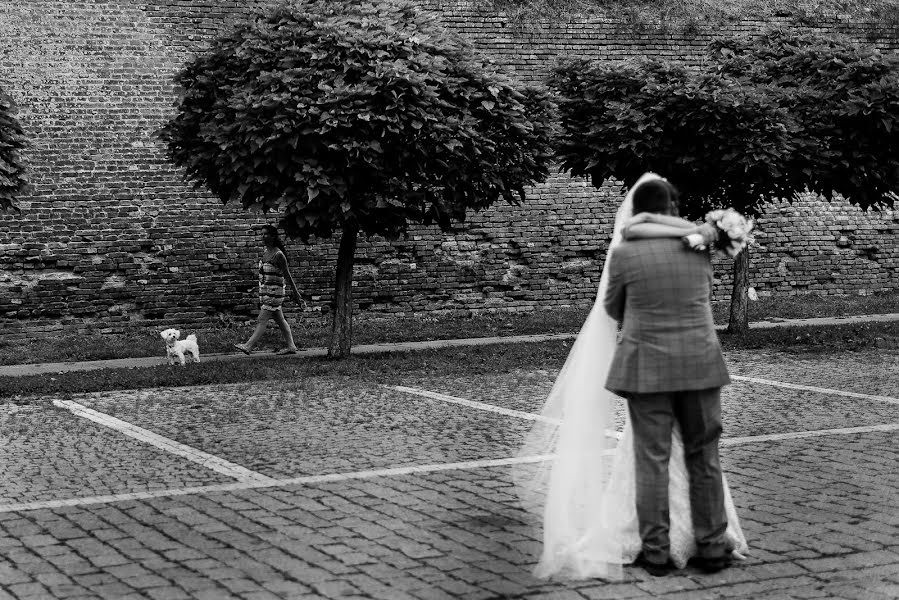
656	196
272	231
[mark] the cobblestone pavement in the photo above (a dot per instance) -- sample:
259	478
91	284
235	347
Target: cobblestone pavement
332	488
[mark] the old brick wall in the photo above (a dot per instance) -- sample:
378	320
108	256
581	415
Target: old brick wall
111	235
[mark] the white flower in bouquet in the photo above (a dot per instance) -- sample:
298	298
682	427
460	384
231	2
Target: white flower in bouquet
724	229
701	241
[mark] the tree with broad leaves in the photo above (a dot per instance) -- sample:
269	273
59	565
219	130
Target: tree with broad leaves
358	116
12	141
766	116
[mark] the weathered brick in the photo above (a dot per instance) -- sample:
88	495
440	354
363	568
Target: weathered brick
111	237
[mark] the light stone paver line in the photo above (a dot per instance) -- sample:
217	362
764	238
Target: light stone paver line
728	441
210	461
820	390
473	404
397	471
795	435
483	406
411	470
250	485
248	479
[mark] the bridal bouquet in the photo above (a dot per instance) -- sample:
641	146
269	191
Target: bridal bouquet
725	230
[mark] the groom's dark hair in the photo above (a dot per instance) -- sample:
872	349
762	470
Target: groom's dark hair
656	196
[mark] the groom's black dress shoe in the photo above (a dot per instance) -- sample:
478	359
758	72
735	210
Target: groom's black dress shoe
711	564
654	569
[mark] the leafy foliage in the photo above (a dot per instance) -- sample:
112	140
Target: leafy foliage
719	142
766	116
12	140
844	104
360	114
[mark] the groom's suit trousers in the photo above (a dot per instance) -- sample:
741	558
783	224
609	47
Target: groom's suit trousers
698	412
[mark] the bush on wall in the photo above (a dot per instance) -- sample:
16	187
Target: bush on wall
12	141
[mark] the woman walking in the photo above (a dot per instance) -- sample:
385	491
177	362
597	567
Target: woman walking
273	273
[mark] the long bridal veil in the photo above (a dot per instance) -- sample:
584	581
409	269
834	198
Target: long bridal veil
567	458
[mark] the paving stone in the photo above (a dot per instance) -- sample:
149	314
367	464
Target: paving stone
433	593
805	592
458	589
261	595
213	594
504	587
28	590
820	511
110	559
240	586
889	589
859	593
879	572
53	579
69	591
109	589
612	591
284	587
335	589
754	589
428	575
710	594
859	559
167	593
671	583
12	576
141	582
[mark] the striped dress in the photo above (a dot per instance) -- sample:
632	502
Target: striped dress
271	285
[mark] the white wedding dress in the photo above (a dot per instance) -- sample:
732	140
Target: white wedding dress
578	473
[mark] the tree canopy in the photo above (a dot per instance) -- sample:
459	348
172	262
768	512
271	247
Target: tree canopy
717	141
766	116
12	141
358	116
843	104
366	114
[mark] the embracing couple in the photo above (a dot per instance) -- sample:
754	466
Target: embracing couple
654	494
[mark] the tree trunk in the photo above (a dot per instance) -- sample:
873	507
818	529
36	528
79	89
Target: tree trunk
739	298
342	325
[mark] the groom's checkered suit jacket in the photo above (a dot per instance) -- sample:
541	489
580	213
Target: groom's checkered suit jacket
660	291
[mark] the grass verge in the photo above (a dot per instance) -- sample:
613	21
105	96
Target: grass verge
146	342
811	305
389	367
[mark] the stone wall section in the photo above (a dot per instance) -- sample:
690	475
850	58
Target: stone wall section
111	235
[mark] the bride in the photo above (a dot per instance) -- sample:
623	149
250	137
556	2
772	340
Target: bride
577	472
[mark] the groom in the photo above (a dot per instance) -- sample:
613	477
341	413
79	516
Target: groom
668	365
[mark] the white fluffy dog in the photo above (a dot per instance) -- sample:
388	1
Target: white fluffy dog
176	348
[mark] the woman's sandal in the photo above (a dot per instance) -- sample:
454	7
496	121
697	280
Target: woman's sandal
284	351
242	348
